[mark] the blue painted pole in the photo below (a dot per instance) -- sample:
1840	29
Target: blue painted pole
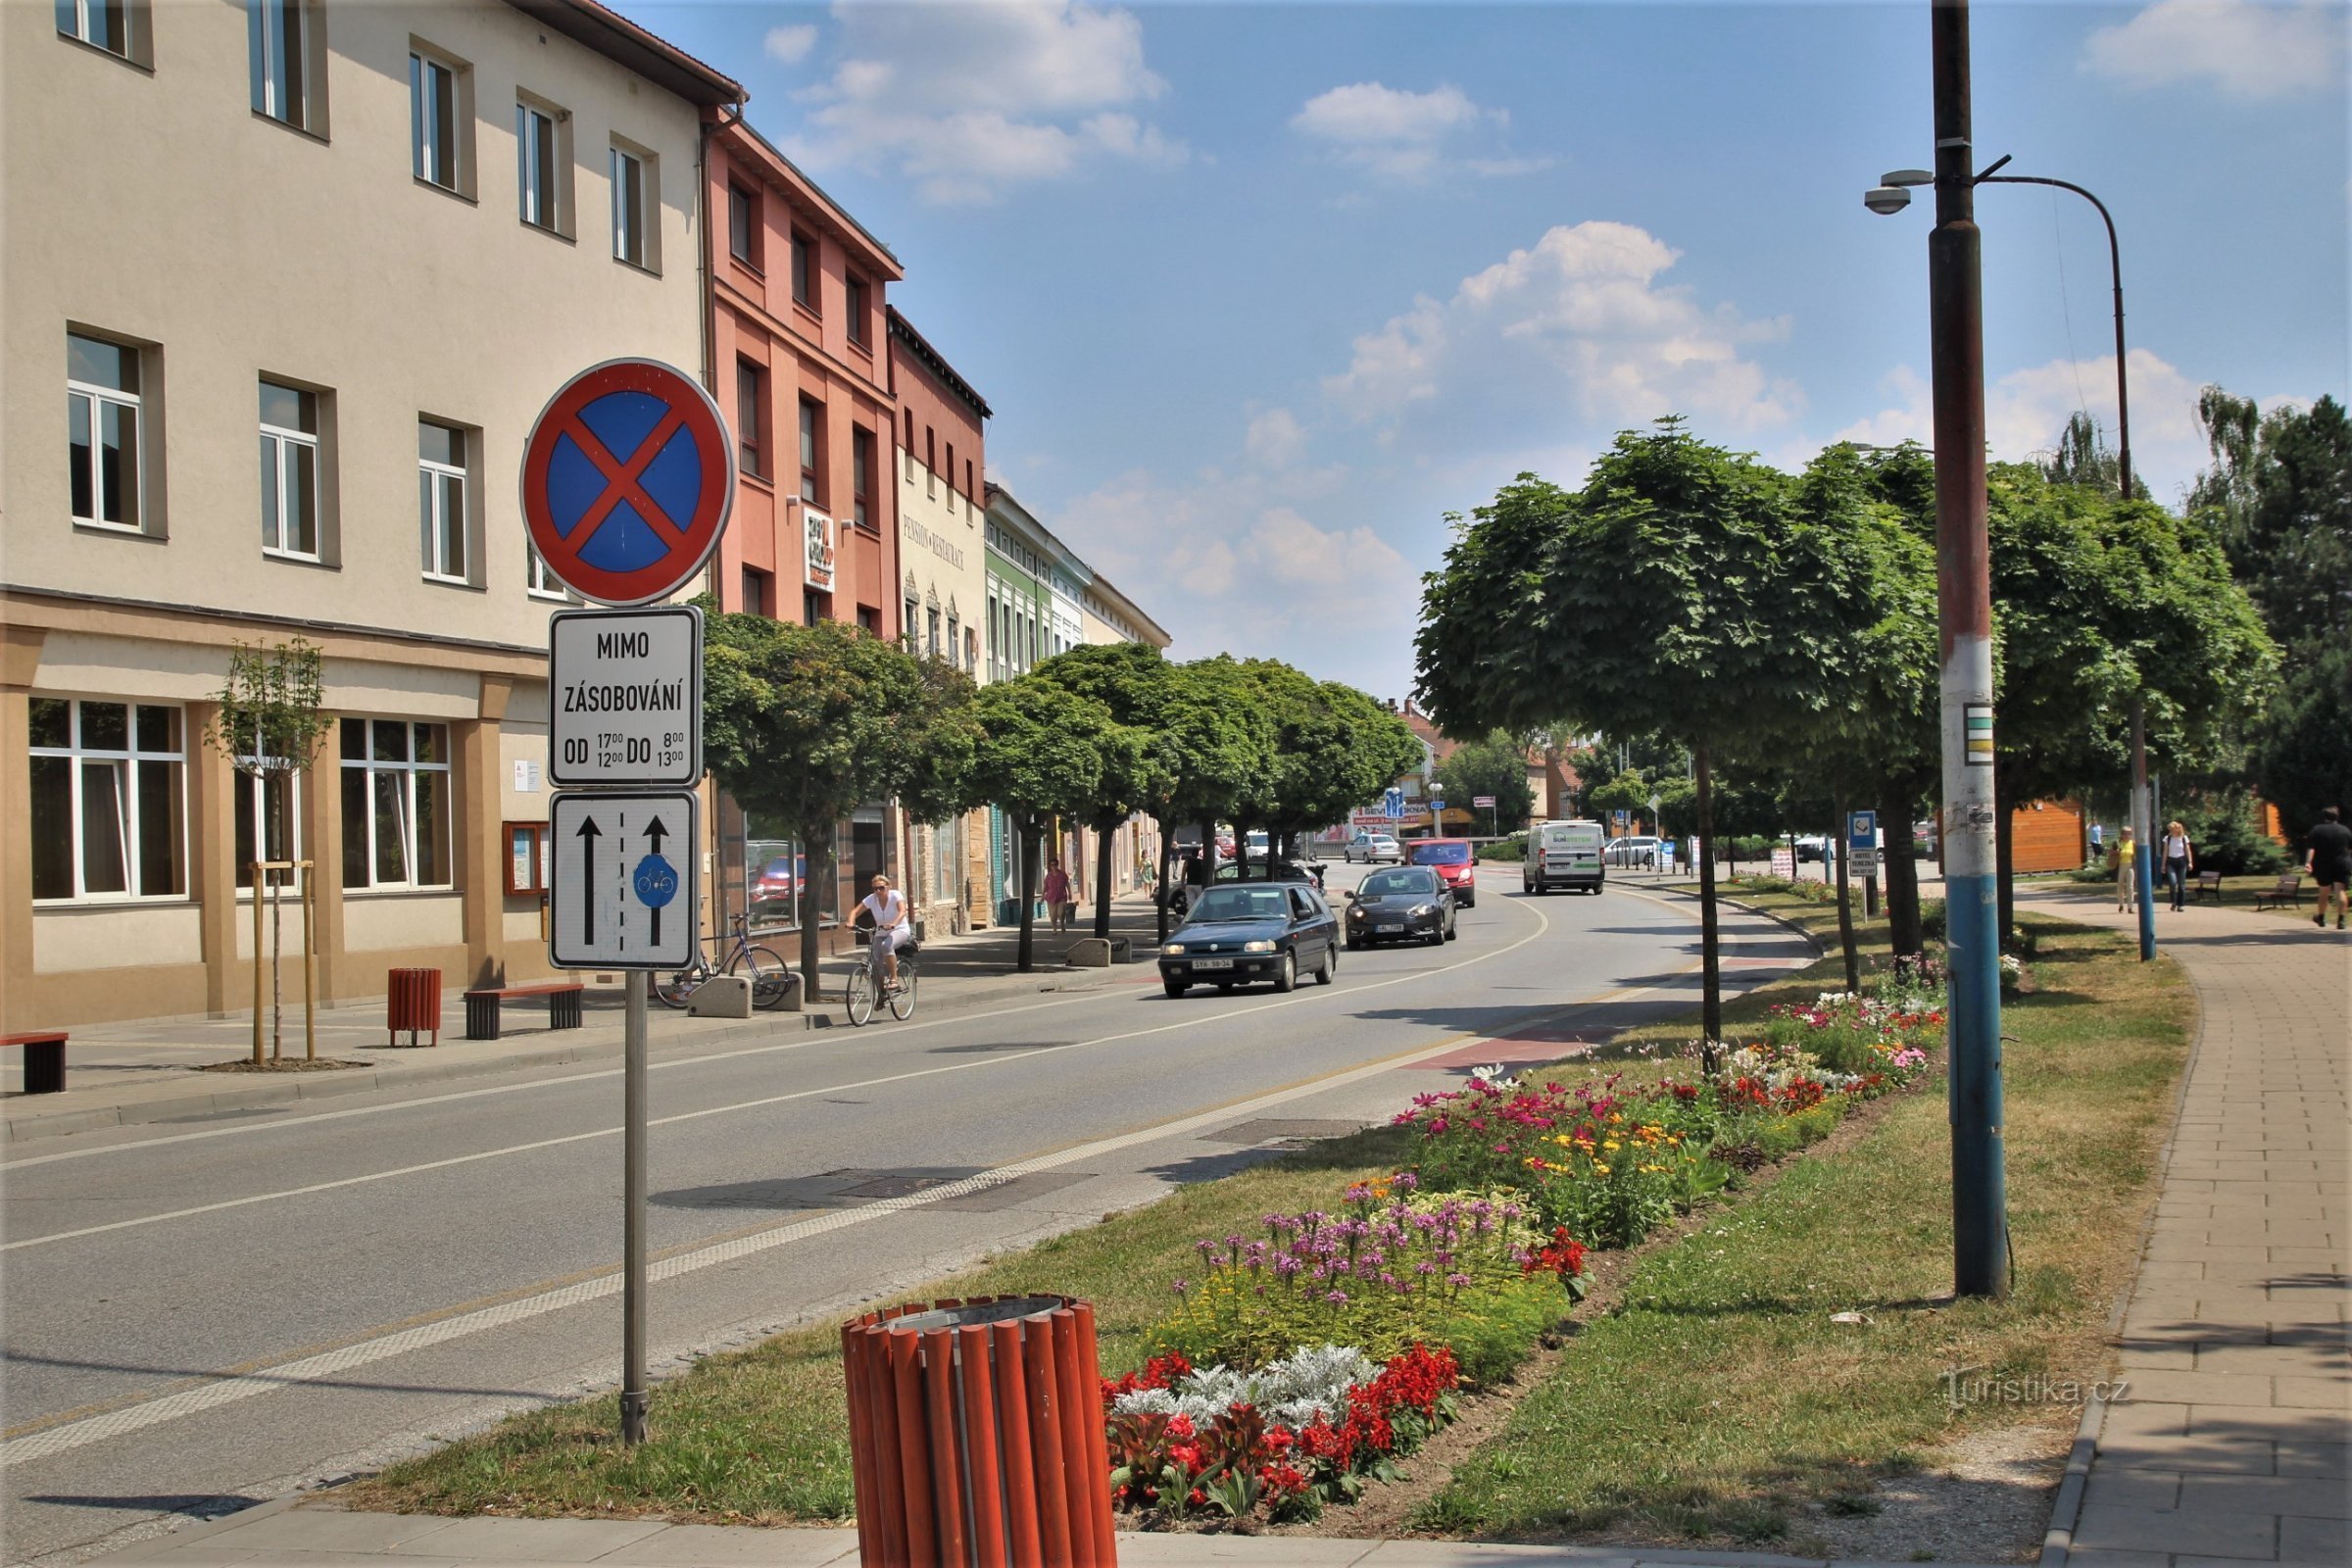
2143	873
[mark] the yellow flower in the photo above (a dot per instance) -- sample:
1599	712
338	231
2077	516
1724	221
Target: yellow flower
1609	1144
1601	1169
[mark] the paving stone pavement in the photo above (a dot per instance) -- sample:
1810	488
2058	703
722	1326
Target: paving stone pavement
2230	1439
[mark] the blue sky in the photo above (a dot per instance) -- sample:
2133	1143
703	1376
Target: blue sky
1259	292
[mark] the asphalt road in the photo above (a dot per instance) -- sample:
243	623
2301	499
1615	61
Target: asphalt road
204	1315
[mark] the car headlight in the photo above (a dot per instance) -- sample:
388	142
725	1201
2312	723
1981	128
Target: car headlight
1172	949
1356	911
1420	909
1257	946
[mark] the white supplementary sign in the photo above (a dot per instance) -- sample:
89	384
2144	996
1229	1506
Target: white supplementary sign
625	696
625	882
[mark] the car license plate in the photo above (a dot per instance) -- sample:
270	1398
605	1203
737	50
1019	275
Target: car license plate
1389	925
1212	964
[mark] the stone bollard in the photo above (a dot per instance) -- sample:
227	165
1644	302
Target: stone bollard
726	995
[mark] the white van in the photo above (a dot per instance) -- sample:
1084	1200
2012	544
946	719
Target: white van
1563	854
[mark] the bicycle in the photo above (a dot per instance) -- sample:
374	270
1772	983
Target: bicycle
771	976
867	983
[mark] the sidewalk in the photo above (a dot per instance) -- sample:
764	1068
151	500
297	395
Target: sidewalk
119	1074
2230	1442
282	1533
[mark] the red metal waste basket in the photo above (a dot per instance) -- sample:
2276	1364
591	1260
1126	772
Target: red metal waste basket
413	1001
976	1434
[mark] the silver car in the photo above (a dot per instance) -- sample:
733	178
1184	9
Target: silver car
1374	847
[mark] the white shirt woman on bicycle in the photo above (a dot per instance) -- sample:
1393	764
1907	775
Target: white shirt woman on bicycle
886	908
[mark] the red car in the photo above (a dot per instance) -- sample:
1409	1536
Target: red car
1450	859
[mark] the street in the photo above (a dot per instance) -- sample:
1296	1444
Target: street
207	1314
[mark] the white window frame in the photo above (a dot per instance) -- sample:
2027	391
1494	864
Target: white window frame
547	210
285	439
405	805
77	19
136	402
433	503
631	223
128	797
291	881
431	80
538	581
268	35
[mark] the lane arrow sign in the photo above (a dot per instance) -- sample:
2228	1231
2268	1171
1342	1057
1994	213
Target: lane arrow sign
589	832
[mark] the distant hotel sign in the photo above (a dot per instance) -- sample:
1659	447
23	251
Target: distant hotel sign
819	529
944	548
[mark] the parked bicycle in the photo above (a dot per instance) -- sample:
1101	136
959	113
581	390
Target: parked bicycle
867	982
771	976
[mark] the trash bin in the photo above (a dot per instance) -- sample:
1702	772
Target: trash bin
976	1434
413	1001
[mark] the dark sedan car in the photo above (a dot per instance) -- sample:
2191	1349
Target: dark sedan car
1253	931
1410	904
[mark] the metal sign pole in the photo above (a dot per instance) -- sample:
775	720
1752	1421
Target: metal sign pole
632	1243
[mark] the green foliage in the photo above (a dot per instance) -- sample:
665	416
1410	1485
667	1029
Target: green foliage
1495	765
2222	828
1512	848
1130	680
1331	749
1045	750
269	722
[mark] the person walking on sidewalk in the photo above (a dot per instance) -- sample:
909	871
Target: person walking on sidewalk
2179	862
2329	863
2127	872
1057	895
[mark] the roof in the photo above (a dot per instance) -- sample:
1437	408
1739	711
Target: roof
618	40
936	363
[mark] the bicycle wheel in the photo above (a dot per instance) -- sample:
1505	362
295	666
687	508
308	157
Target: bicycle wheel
675	989
771	980
902	1001
860	995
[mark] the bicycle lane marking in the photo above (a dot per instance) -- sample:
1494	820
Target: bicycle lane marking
1321	994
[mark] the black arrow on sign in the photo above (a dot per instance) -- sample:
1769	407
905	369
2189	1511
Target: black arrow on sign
655	833
589	833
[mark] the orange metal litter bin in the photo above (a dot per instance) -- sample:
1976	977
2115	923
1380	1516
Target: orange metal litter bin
413	1001
976	1434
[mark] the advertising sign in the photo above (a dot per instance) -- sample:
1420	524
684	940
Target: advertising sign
818	530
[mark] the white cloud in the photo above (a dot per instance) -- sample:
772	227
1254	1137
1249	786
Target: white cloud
970	100
2247	50
1404	135
2026	410
1583	317
790	46
1276	439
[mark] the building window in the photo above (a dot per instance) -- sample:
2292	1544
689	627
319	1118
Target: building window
750	418
931	644
743	225
855	306
930	461
542	166
972	497
103	408
811	445
438	122
396	803
283	43
812	607
441	516
107	801
908	446
955	647
971	653
950	473
537	580
267	829
106	24
289	471
635	205
861	477
755	600
804	270
912	619
870	618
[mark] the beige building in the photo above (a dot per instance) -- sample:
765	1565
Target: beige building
368	242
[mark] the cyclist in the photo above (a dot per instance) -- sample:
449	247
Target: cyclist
886	909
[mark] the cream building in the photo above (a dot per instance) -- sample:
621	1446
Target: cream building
367	242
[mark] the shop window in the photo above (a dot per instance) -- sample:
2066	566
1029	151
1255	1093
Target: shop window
396	803
107	801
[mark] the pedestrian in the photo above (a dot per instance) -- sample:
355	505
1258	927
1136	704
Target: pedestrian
2099	843
2329	863
2179	862
1057	895
2127	872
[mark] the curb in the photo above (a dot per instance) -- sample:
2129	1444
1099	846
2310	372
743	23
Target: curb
173	1538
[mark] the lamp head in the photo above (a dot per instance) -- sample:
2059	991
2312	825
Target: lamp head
1886	200
1908	177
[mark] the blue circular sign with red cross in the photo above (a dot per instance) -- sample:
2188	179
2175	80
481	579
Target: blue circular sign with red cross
628	481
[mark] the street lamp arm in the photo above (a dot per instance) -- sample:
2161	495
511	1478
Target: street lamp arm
2114	263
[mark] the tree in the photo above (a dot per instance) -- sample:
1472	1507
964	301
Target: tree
804	724
1492	764
1332	749
269	727
1044	752
1130	680
1213	740
2084	457
1679	589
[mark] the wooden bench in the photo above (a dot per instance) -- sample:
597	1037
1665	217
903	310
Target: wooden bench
2208	882
44	1060
482	1006
2289	894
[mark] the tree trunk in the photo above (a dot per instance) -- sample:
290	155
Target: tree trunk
1209	853
1902	873
816	872
1710	1009
1032	831
2005	856
1159	889
1103	849
1845	898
